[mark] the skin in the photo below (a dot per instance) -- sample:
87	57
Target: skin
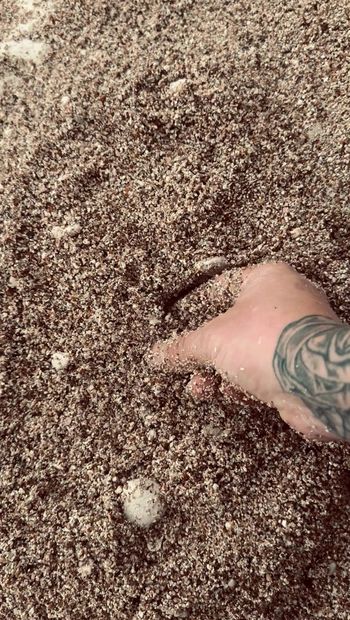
282	343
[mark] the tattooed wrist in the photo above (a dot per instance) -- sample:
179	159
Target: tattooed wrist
312	361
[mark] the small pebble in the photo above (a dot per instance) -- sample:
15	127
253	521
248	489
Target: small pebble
60	360
73	229
210	430
177	86
332	567
14	283
296	232
315	131
142	504
85	569
58	232
212	265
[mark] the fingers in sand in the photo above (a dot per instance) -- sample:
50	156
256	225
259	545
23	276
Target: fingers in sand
188	348
196	346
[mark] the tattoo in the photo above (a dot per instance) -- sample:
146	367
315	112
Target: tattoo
312	361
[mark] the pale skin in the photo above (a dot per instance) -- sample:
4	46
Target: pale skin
280	342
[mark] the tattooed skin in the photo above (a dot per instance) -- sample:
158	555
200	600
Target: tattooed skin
312	361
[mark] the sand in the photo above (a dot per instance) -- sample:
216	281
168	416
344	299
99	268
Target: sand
145	137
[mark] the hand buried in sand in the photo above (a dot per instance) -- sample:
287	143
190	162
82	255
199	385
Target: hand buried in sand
280	342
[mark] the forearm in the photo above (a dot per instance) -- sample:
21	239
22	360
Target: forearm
312	361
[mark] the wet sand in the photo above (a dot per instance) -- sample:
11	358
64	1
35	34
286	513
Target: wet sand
140	139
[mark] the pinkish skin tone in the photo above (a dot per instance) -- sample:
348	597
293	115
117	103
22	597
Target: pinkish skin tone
240	343
201	387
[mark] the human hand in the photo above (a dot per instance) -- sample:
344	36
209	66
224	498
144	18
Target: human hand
275	343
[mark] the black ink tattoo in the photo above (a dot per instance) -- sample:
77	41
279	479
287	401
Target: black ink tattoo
312	361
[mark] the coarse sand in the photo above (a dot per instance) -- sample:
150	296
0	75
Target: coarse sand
139	138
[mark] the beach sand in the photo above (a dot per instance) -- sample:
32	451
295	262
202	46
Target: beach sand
139	138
